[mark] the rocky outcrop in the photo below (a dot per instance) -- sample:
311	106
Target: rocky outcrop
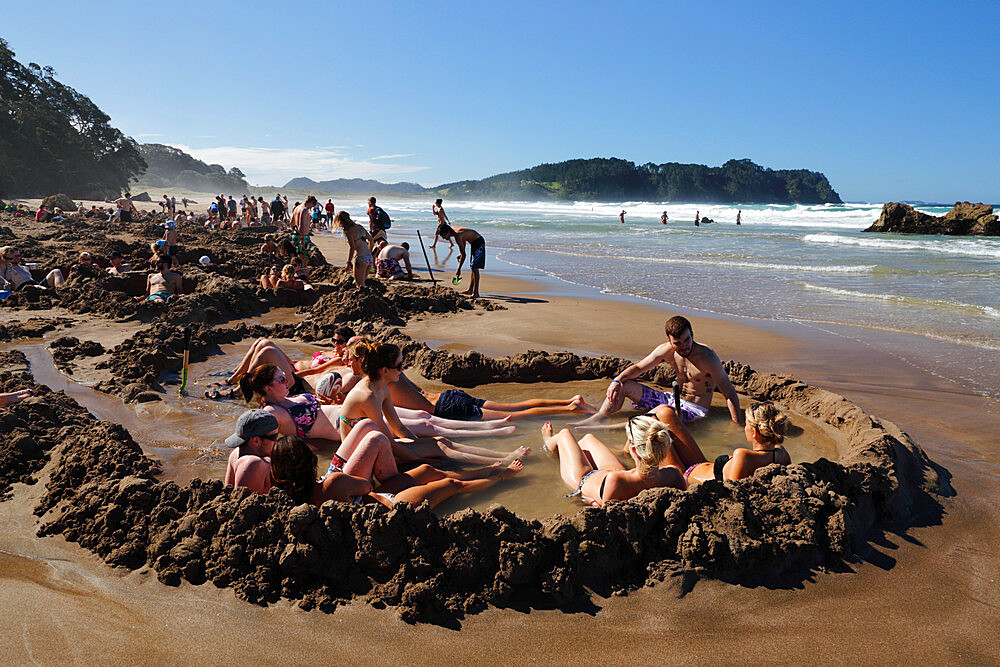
964	219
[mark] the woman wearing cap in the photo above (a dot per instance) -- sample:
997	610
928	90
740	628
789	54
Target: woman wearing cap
305	416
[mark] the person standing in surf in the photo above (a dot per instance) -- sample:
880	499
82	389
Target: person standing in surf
438	210
739	216
621	216
664	218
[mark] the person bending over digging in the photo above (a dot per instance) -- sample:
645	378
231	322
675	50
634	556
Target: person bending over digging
595	474
477	250
699	372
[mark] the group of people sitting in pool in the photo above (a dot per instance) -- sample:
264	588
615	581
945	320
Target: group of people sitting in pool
385	428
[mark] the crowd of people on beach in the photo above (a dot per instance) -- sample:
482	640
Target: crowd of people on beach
387	432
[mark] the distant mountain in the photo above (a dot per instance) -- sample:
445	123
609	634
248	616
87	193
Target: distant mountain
353	185
171	167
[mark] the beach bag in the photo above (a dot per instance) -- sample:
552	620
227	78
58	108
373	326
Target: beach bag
382	218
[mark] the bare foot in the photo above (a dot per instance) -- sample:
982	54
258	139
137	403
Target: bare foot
546	436
579	405
515	467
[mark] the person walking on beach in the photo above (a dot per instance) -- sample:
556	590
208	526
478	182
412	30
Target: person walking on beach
301	222
378	220
277	211
330	210
699	373
664	218
739	215
438	210
477	249
621	216
359	241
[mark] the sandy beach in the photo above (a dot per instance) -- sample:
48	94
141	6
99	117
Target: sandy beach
930	593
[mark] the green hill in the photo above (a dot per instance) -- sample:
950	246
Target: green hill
612	179
53	139
170	167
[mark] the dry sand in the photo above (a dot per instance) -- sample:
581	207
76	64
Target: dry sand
931	593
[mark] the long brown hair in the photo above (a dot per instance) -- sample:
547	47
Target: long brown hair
293	467
375	357
253	384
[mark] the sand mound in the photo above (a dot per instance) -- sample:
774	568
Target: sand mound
784	521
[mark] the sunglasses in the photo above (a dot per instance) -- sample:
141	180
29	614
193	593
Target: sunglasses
278	378
270	438
339	341
397	367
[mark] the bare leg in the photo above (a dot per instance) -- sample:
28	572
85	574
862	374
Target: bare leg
599	453
422	427
684	445
431	448
573	463
368	452
630	389
256	349
269	355
570	404
438	491
360	271
484	425
577	405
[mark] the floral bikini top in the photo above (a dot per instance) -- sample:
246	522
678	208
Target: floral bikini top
304	414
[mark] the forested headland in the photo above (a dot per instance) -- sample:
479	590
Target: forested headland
54	139
613	179
170	167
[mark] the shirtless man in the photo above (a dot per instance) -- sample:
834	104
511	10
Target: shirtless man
249	463
301	220
621	216
442	217
388	258
164	285
477	245
126	211
699	373
118	265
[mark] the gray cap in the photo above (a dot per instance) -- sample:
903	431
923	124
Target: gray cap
326	384
252	423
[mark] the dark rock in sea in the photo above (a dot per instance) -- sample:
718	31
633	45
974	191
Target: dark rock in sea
707	221
964	219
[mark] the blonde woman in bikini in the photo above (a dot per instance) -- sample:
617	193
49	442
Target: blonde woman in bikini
764	431
593	472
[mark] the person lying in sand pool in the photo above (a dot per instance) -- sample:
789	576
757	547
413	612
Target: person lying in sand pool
699	373
457	404
596	475
12	397
764	431
163	285
293	470
305	416
370	399
249	464
15	276
266	351
269	279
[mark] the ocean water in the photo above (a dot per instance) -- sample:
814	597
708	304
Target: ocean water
939	296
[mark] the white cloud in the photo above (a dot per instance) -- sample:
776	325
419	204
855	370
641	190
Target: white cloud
395	156
276	166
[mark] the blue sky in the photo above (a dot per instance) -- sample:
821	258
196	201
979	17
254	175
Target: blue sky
889	100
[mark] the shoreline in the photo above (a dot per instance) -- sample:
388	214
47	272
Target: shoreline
911	583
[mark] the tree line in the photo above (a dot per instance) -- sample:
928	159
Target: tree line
54	139
613	179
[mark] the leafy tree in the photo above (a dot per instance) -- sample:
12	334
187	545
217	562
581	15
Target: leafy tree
54	138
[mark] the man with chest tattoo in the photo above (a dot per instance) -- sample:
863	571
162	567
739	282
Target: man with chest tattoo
699	373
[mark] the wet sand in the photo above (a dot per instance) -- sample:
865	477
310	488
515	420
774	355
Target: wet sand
930	594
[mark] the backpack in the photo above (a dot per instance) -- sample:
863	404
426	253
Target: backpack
382	218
